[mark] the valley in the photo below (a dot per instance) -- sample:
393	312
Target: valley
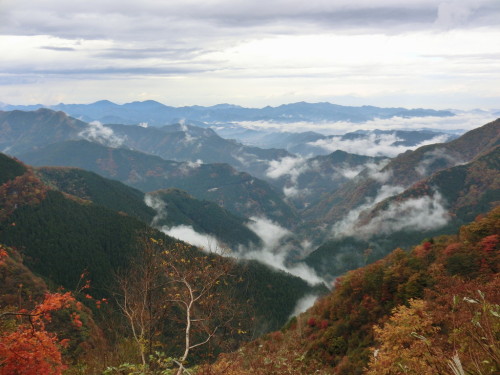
296	217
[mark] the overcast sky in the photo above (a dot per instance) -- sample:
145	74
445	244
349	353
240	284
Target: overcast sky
411	53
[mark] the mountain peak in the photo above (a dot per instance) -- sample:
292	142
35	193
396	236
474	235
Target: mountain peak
103	103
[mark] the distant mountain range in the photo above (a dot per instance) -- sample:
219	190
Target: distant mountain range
90	201
309	144
236	191
21	132
323	199
158	114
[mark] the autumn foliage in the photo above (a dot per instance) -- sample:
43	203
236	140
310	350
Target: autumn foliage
432	310
28	348
26	189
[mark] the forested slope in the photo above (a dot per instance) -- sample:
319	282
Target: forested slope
410	312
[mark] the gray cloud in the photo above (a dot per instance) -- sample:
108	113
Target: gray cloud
141	53
62	49
213	42
108	71
153	20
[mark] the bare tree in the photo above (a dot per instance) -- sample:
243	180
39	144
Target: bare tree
139	297
199	285
178	285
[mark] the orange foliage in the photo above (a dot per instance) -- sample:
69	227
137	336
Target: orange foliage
405	345
23	190
3	255
30	349
412	295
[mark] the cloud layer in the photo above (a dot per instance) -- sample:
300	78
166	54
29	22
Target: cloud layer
204	52
275	251
462	121
373	145
414	214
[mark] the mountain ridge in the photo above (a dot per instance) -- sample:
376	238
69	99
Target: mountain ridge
157	114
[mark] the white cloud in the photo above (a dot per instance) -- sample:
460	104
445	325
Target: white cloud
97	132
186	167
372	145
158	205
348	226
418	214
303	304
414	214
289	165
462	121
187	234
294	192
274	252
432	156
376	171
270	232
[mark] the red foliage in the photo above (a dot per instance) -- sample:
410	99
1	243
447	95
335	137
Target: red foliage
276	336
311	322
30	349
452	249
489	244
3	255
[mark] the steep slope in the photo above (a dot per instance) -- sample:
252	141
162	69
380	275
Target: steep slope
62	236
10	168
405	170
25	131
436	205
182	142
22	132
307	181
410	310
178	208
87	185
238	192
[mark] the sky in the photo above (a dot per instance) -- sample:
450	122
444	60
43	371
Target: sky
413	53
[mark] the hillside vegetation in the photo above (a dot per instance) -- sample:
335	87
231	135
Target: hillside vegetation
238	192
80	246
410	313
